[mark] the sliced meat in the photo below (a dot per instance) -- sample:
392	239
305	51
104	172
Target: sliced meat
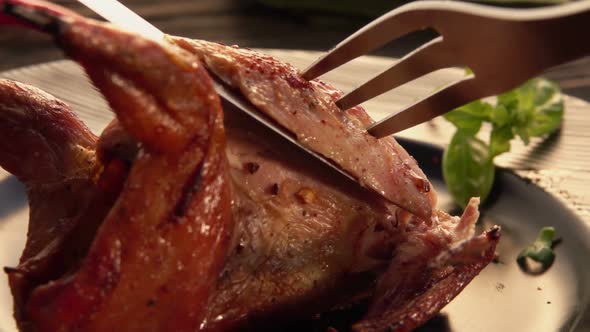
298	242
306	242
308	110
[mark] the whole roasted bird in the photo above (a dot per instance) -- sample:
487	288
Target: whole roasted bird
176	219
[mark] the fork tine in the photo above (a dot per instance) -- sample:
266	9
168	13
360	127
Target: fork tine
390	26
428	58
454	95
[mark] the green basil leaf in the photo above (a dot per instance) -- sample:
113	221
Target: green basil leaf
469	117
501	116
467	168
535	108
500	140
524	135
548	108
509	101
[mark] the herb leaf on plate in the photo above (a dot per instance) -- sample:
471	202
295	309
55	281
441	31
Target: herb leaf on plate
467	167
532	110
470	117
540	251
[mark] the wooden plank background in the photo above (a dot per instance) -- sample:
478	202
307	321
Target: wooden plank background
250	24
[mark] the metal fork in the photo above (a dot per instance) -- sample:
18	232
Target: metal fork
502	47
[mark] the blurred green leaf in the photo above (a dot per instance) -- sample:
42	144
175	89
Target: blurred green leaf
469	117
467	168
533	109
546	107
500	140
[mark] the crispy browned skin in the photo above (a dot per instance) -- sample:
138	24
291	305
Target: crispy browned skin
48	148
420	291
44	144
166	236
421	281
305	241
41	139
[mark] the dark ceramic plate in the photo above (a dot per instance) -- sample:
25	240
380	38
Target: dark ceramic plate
501	298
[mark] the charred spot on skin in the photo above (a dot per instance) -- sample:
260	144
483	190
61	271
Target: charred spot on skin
251	167
274	189
187	194
239	248
306	195
151	303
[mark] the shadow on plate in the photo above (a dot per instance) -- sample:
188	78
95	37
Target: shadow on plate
341	320
13	196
